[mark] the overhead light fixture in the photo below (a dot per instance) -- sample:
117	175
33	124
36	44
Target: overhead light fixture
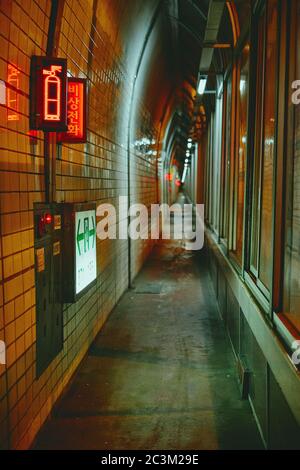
186	160
202	85
242	85
189	145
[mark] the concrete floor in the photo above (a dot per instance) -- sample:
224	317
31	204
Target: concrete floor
161	373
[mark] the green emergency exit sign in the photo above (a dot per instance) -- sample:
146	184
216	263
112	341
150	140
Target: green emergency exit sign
79	249
86	258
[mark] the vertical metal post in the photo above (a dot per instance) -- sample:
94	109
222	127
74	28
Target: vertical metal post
50	137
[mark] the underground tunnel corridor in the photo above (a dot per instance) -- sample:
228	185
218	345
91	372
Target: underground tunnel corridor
120	119
161	373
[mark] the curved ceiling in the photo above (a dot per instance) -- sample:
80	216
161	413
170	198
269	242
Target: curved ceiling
178	40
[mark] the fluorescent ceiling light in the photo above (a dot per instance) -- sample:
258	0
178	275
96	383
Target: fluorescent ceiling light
242	85
202	85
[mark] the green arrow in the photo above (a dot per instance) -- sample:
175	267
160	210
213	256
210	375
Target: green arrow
80	236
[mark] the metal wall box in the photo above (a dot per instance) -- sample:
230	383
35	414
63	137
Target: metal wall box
48	281
79	249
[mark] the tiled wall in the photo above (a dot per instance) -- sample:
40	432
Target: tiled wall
92	39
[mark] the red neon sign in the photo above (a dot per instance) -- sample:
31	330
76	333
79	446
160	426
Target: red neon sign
76	105
48	94
12	93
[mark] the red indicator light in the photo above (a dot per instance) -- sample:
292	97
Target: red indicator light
76	105
178	183
48	219
44	222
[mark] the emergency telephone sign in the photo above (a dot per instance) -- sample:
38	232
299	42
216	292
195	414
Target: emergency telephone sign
76	111
48	94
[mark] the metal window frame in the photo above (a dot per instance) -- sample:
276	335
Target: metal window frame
239	263
251	276
226	236
254	270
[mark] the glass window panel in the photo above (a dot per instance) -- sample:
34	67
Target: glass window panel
227	156
242	114
265	113
257	148
265	262
291	297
